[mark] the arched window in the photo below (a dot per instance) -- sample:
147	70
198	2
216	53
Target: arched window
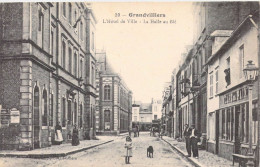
45	110
52	111
36	118
80	116
69	113
107	92
75	113
36	107
63	62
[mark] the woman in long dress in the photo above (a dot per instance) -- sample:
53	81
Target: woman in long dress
58	134
75	136
129	152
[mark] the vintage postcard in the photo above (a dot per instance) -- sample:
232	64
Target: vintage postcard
129	83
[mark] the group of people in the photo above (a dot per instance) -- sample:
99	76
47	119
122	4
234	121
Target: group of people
192	137
59	138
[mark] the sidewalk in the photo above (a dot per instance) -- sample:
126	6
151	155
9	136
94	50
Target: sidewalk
205	158
58	150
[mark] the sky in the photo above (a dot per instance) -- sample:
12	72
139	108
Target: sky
144	53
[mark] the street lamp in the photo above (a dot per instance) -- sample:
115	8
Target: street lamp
250	72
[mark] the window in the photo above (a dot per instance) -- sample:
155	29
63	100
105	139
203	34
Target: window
51	41
45	110
36	111
63	61
155	117
107	92
41	29
80	116
75	113
93	75
241	61
51	112
211	85
81	67
227	72
216	76
64	9
81	30
69	113
223	124
70	60
70	13
63	121
75	64
93	42
76	18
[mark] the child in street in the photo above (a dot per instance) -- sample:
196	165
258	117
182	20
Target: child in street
128	146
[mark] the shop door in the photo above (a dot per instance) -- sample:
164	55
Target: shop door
237	143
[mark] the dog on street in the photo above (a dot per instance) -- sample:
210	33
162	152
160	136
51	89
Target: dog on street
150	152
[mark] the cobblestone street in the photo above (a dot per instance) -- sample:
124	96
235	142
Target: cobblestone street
110	154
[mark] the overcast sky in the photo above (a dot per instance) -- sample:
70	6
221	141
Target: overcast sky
144	53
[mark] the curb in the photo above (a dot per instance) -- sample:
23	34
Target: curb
183	154
52	155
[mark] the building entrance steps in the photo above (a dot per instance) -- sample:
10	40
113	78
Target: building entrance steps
205	158
59	150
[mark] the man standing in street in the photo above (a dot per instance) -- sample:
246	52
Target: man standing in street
187	133
194	139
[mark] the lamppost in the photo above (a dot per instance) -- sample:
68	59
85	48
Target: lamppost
250	72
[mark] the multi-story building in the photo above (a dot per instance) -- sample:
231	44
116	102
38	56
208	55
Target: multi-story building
47	60
156	109
114	111
135	112
228	120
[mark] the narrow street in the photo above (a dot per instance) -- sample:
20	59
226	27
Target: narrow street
111	155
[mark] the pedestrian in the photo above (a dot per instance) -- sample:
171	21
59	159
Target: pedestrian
130	130
75	136
58	135
129	152
195	138
186	134
137	127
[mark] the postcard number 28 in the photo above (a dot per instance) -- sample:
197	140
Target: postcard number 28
117	14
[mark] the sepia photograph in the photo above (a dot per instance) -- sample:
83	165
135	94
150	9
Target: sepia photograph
143	84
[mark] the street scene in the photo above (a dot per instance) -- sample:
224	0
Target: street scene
112	155
129	84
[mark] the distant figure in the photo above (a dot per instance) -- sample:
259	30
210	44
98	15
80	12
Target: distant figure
187	133
75	136
58	134
194	137
137	128
129	152
129	130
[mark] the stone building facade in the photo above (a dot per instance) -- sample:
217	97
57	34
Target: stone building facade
114	110
47	55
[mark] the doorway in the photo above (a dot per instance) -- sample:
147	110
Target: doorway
237	143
